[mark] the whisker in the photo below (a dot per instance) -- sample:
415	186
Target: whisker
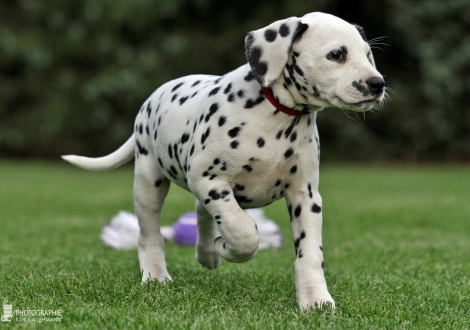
377	39
375	47
346	113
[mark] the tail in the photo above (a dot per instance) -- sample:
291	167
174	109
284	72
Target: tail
121	156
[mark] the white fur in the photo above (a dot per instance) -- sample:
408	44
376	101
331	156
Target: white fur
221	139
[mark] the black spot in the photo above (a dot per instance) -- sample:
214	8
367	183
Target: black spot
316	208
183	99
214	91
205	174
207	201
293	137
301	27
247	168
212	110
239	187
170	151
284	30
217	217
309	187
258	67
231	97
196	83
149	109
299	70
260	142
243	199
250	103
141	129
298	210
192	150
279	135
158	183
360	88
160	162
205	135
234	132
249	76
241	93
224	167
234	144
278	182
293	169
173	170
288	153
228	88
222	120
141	149
321	248
316	93
174	97
297	241
176	87
185	138
216	161
270	35
322	264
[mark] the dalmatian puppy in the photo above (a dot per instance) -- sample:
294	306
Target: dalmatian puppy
246	139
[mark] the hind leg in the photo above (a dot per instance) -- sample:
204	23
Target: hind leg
206	254
150	190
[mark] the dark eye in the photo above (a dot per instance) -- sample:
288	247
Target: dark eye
335	55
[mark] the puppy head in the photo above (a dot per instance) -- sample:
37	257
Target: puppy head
318	60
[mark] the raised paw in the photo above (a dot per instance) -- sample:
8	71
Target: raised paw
239	254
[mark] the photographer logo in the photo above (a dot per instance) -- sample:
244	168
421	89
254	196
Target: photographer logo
7	313
31	315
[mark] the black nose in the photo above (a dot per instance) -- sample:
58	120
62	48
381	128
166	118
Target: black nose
376	84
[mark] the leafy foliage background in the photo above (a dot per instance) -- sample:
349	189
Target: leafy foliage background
73	74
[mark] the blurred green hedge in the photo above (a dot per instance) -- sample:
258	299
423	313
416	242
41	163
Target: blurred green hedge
73	74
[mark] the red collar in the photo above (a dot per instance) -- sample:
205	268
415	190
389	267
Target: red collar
289	111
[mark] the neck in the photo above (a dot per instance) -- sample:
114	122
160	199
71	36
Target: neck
289	111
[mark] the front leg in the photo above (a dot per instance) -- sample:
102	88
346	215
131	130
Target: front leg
207	231
305	208
239	238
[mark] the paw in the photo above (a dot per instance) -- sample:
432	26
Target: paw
238	255
313	298
160	277
208	258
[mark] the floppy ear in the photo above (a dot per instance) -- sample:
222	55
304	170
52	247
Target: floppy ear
268	49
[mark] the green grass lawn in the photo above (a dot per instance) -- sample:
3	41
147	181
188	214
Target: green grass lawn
396	244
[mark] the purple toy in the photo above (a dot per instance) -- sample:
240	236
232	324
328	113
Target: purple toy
185	229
